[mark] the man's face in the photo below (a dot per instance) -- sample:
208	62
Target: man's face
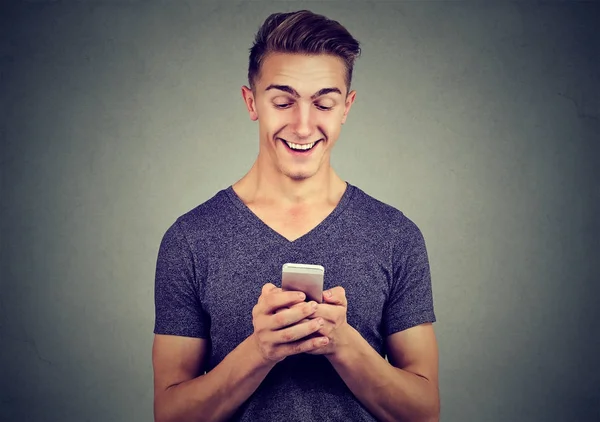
300	103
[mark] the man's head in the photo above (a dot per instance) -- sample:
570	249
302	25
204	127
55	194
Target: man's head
300	73
302	32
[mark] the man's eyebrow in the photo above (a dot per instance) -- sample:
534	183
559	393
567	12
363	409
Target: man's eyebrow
325	91
284	88
294	93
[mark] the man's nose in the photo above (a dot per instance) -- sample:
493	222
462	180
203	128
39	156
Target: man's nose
303	121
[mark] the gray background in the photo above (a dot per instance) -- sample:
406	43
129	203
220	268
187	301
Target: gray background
479	120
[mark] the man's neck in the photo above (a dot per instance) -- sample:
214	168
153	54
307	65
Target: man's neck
270	188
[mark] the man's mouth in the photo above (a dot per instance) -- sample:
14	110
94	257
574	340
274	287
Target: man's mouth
300	147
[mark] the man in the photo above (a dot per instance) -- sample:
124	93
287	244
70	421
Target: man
231	345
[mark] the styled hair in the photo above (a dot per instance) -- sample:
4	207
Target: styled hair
302	32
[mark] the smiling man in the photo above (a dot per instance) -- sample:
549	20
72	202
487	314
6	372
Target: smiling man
231	345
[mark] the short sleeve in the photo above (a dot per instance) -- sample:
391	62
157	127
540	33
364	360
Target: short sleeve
411	300
178	310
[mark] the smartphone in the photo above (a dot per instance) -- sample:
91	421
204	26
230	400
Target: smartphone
305	278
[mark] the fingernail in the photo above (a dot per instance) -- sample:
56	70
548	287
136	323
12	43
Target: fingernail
301	296
324	340
328	293
314	305
321	322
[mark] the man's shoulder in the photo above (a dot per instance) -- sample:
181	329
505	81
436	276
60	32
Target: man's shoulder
208	216
381	214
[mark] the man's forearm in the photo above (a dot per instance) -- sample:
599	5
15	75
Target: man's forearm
390	393
216	395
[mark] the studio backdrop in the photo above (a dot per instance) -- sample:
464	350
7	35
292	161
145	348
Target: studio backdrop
478	120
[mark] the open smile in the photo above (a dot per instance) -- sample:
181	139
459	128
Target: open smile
301	148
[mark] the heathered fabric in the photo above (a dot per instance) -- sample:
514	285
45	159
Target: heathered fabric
214	260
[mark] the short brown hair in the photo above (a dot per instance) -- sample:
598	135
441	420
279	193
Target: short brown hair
302	32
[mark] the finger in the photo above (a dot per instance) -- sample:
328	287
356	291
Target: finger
291	307
282	299
304	346
335	296
329	314
267	288
325	311
297	331
299	304
287	317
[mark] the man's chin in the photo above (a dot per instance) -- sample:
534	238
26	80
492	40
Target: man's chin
298	176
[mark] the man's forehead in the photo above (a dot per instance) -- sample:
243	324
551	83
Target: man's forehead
306	74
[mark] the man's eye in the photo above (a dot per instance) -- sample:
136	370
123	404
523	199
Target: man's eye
286	105
320	107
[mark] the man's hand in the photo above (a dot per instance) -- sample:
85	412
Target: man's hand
333	311
283	332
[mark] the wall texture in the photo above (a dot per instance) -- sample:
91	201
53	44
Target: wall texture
479	120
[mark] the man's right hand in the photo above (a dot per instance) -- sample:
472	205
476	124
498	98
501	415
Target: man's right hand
280	328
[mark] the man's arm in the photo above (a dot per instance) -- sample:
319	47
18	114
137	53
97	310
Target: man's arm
403	389
182	393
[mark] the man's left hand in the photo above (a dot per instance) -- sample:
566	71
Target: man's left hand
333	311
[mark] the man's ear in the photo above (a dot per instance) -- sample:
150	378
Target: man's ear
248	96
349	100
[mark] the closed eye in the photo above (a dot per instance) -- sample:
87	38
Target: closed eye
287	105
320	107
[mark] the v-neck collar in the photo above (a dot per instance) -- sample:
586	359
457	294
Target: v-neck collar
252	218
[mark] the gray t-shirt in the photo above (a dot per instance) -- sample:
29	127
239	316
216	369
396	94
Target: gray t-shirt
214	260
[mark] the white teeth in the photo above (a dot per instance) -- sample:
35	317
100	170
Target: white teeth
300	147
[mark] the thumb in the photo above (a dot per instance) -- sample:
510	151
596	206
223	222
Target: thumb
336	296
